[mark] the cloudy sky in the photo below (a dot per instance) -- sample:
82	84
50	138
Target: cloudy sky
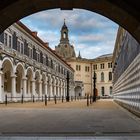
90	33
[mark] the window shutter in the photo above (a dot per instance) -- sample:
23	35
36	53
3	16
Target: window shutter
34	53
46	60
14	41
41	57
2	37
26	49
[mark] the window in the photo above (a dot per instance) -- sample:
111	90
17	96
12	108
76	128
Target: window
64	35
44	60
20	47
102	66
110	76
102	77
102	91
109	65
8	40
86	68
95	67
38	56
30	52
78	67
5	39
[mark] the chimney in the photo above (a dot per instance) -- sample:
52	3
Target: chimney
34	33
47	44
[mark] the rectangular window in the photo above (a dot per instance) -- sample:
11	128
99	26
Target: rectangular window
102	66
77	67
10	41
85	68
5	39
88	69
109	65
30	52
38	57
20	47
95	67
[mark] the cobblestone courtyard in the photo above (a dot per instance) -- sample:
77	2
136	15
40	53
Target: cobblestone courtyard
74	118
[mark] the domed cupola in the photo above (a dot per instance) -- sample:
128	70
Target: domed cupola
64	34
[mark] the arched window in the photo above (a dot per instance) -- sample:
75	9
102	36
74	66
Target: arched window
64	35
102	77
110	76
111	90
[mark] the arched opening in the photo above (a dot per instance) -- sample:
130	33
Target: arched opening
19	78
29	76
7	68
49	86
43	84
125	13
102	77
37	83
53	86
78	91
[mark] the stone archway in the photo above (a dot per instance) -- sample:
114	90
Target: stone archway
37	83
29	76
20	74
78	91
125	13
7	68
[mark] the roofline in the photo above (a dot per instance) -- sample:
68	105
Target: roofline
42	42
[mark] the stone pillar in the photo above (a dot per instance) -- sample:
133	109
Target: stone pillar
13	87
54	90
51	90
29	87
58	91
33	87
46	88
40	88
24	86
1	90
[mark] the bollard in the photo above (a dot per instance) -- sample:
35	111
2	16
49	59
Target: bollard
55	99
22	99
87	100
62	99
6	99
33	99
90	100
45	100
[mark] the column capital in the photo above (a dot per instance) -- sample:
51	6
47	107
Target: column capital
24	78
13	76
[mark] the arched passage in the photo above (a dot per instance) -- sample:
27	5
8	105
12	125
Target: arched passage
19	78
7	68
125	13
29	76
37	82
78	91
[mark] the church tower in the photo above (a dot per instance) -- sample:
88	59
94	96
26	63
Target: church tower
65	49
64	34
